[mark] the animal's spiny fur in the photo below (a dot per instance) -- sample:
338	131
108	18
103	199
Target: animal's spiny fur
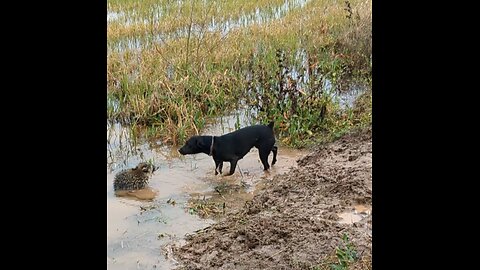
133	179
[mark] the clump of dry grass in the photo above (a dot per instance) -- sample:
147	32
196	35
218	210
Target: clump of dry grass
206	208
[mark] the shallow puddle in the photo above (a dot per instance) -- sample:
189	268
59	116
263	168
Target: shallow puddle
141	225
356	214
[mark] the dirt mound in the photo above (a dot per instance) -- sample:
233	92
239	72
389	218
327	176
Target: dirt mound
295	223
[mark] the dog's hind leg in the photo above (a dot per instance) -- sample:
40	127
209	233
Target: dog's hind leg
274	150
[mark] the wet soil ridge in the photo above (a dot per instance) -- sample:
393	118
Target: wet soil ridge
294	222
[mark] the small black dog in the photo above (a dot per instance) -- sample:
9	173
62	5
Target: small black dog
234	146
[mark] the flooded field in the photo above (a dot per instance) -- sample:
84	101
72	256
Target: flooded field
160	17
142	225
181	68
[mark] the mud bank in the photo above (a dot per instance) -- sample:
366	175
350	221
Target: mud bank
298	219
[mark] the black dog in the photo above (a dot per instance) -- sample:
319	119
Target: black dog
234	146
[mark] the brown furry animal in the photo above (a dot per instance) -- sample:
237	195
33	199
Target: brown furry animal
132	179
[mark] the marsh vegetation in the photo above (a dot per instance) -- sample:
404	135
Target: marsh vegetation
173	65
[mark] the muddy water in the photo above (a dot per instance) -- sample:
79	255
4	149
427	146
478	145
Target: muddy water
357	213
142	225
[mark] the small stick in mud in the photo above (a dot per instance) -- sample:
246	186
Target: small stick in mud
240	170
217	190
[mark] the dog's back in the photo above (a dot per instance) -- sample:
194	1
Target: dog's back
253	131
241	141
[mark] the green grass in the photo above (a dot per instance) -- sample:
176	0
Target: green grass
346	255
345	258
173	85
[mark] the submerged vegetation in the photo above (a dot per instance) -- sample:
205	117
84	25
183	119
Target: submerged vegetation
173	65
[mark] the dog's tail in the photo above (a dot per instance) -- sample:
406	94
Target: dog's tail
270	125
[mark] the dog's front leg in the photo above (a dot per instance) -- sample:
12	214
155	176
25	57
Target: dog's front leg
218	166
233	165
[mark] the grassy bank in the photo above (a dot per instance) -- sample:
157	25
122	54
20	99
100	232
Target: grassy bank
172	65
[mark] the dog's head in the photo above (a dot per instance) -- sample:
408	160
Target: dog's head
194	145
